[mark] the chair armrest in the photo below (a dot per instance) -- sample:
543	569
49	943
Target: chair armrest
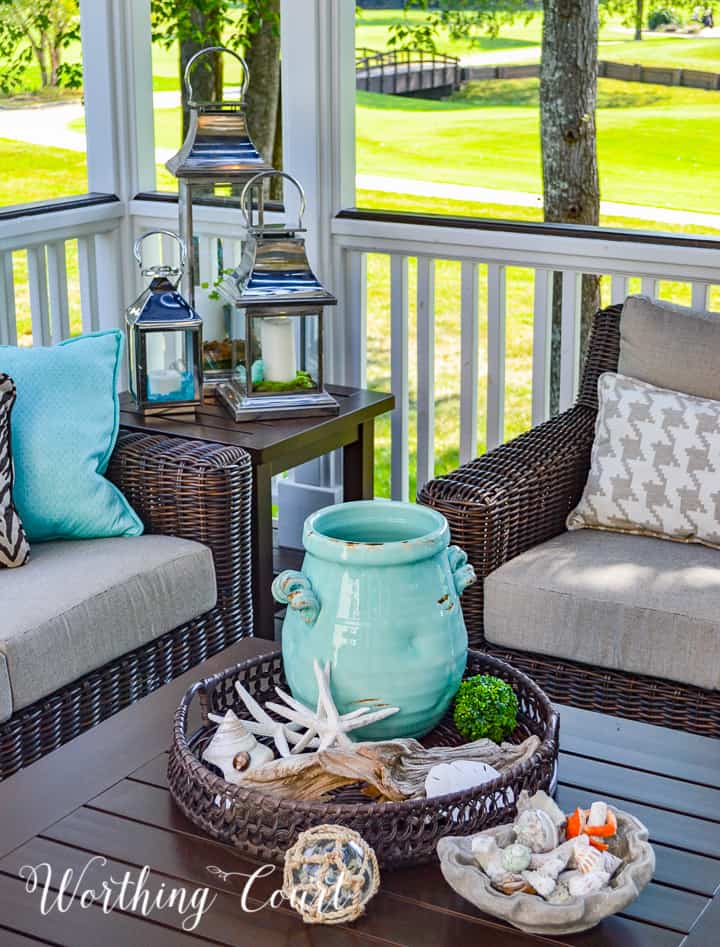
194	490
514	497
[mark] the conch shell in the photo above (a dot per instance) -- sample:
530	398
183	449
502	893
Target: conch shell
235	751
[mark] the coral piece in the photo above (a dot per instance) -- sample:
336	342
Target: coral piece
536	829
232	742
598	814
561	894
330	875
516	858
542	884
263	724
325	723
581	885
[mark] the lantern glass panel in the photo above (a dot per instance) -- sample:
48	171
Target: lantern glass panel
284	353
170	366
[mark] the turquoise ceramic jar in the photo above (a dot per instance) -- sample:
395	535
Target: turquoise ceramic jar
379	598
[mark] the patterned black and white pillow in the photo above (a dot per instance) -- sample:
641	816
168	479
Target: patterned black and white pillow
14	547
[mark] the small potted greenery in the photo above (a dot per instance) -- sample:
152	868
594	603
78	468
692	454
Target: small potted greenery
485	706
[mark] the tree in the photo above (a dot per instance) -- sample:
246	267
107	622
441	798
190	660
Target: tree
568	95
39	29
254	28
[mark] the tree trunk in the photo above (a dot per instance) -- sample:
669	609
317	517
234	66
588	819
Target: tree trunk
207	75
568	93
262	54
55	60
639	17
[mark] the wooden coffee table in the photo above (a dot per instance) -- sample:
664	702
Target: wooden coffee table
104	794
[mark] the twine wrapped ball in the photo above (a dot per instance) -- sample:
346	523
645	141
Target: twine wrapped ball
330	875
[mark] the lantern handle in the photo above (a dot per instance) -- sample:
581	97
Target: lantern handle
203	52
261	175
163	269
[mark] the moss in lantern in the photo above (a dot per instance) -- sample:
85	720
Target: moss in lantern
302	380
485	706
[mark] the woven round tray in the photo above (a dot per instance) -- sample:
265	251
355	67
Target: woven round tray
401	833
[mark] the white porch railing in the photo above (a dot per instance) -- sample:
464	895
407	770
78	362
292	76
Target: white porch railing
34	241
544	250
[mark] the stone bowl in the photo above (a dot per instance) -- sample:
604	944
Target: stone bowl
530	912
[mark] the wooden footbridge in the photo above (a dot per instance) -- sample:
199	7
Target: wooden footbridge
407	72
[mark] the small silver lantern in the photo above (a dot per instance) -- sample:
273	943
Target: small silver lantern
164	340
217	155
282	305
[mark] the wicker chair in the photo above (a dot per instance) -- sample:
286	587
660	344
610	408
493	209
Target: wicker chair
518	496
185	488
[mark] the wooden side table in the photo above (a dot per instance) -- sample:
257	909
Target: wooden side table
276	446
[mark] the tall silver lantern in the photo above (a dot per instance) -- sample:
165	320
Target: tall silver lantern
282	304
164	340
219	155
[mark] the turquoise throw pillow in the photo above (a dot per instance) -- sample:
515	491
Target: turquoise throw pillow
65	424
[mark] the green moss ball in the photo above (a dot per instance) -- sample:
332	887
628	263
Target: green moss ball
485	706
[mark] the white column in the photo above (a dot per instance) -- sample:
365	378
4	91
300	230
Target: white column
117	68
318	119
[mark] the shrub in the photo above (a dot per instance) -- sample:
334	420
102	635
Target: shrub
662	16
485	706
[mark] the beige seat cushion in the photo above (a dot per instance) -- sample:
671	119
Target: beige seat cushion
670	346
5	692
625	602
78	604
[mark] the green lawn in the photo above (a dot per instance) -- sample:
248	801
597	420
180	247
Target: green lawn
489	136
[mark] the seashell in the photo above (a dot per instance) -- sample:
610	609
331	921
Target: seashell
580	885
552	867
542	884
511	884
588	859
536	829
561	894
541	800
232	741
610	863
598	813
456	776
516	858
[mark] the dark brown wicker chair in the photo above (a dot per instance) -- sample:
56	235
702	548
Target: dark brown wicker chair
179	487
518	496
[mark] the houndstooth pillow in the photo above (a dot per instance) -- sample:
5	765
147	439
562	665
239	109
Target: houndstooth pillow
14	548
655	464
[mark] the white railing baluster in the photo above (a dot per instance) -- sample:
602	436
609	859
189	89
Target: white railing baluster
8	324
700	295
570	337
618	289
356	331
469	345
495	430
88	284
57	282
399	476
38	285
425	370
649	286
542	344
207	260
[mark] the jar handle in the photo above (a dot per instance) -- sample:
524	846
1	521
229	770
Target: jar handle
293	588
462	571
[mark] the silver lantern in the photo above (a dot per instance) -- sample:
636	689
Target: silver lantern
281	305
164	340
217	156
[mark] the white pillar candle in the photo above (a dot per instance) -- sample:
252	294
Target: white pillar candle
277	344
164	381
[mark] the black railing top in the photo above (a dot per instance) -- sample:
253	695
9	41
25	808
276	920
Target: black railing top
55	205
538	228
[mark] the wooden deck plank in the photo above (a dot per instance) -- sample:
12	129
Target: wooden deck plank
640	745
264	928
649	788
79	927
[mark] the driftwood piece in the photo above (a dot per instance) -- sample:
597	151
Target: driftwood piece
392	770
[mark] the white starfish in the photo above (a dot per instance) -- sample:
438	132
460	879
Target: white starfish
263	724
325	724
